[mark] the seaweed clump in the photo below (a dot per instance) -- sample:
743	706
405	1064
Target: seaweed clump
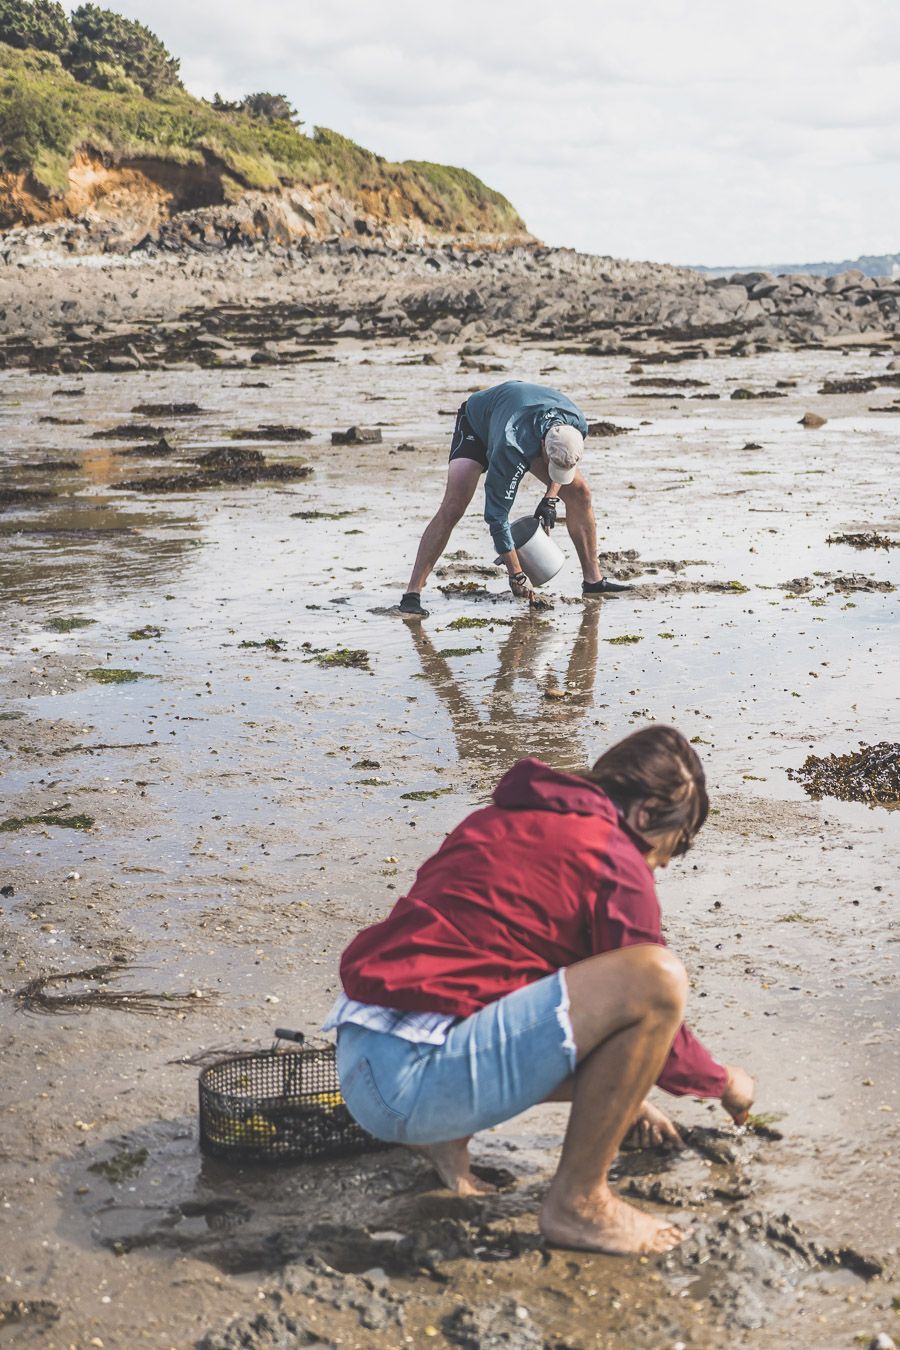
355	658
112	675
66	623
270	644
80	821
870	774
868	539
95	993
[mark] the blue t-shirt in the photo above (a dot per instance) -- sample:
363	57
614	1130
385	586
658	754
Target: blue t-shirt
511	420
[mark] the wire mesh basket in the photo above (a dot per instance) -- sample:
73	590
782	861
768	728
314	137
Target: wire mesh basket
278	1106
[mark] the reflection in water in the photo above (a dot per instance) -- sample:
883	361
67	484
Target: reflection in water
495	731
65	552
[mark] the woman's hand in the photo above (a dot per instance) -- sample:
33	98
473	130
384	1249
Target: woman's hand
653	1129
738	1095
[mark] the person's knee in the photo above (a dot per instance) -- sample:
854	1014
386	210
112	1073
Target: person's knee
663	980
577	495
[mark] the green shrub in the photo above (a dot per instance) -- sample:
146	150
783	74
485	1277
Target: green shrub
105	40
35	23
30	125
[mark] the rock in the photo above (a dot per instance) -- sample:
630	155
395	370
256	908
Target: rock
502	1324
882	1342
210	340
265	1331
812	421
357	436
123	363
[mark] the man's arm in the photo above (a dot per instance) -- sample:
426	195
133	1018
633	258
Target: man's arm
505	472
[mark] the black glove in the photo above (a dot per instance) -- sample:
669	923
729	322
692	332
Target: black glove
545	512
519	585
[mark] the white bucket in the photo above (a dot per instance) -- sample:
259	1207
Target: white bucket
539	556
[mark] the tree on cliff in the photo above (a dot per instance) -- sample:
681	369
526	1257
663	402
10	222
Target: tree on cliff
110	51
35	23
268	107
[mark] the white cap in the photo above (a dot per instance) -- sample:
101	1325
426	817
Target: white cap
564	446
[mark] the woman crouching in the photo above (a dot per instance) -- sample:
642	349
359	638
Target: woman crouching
527	964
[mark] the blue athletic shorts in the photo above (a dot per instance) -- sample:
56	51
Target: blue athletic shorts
498	1062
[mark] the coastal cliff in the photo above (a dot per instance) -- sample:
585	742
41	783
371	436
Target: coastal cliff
125	164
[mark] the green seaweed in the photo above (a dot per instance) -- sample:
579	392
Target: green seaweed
354	658
425	795
270	644
372	782
11	716
65	624
738	587
458	651
111	675
665	635
79	821
625	639
464	622
794	917
143	634
121	1166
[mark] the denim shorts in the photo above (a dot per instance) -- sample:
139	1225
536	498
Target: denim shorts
494	1064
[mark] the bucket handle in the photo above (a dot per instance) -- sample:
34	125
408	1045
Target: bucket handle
283	1034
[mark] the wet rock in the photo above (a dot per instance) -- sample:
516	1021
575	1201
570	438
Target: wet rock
882	1342
376	1305
167	409
812	421
607	429
16	497
130	431
161	450
357	436
273	433
114	363
266	1331
502	1324
749	1265
848	386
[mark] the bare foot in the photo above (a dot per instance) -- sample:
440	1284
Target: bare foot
451	1162
604	1223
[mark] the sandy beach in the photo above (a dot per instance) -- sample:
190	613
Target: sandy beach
240	811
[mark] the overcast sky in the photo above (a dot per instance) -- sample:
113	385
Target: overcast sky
705	131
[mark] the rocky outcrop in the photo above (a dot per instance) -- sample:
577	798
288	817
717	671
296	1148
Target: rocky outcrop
162	303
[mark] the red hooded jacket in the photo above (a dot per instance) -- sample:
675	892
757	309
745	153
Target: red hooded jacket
548	875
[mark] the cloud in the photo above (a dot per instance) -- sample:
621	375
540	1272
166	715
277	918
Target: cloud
671	129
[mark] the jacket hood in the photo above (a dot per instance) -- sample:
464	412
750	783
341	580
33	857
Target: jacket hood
531	785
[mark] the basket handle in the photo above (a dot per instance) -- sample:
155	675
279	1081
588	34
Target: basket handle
283	1034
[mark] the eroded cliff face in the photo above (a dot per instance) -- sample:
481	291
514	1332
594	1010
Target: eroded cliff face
125	201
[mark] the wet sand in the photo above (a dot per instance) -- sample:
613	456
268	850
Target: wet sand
235	849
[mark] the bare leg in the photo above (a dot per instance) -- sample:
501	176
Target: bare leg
626	1007
462	480
580	520
451	1162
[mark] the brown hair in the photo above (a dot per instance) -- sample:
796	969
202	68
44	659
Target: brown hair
657	768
